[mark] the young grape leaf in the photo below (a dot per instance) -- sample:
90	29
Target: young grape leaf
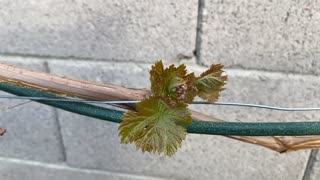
191	91
210	83
164	80
172	84
155	127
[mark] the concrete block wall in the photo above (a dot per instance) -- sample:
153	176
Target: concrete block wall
269	48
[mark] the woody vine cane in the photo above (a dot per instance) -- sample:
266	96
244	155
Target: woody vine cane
28	83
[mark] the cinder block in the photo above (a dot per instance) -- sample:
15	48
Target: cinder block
126	74
15	169
93	143
314	172
104	29
266	35
32	131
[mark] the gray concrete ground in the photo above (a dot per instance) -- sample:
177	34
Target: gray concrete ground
270	50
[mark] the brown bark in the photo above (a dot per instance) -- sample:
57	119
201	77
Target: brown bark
97	91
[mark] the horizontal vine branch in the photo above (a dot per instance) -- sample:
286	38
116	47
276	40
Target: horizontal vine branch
198	127
28	83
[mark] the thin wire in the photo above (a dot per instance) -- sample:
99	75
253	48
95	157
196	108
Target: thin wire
259	106
4	109
133	102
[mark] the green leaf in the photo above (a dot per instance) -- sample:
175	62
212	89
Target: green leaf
191	90
157	124
173	84
210	83
164	80
155	127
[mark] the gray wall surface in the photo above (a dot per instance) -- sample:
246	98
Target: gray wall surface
270	50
